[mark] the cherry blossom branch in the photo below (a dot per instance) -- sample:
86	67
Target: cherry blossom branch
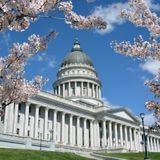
17	15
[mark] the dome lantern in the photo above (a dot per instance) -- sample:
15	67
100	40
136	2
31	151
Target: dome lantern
76	46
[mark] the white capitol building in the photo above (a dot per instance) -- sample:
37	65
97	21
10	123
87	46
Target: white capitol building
74	117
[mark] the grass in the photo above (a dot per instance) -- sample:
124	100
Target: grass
134	156
17	154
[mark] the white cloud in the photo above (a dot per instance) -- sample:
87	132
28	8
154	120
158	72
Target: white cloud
109	104
149	119
49	61
52	62
90	1
111	14
152	66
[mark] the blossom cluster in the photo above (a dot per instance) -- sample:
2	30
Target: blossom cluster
140	15
13	86
17	14
139	49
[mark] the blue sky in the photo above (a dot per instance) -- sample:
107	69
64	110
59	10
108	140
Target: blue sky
122	77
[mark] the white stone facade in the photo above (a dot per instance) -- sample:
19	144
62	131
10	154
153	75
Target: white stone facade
74	116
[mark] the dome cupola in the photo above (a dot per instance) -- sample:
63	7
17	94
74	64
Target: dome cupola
76	56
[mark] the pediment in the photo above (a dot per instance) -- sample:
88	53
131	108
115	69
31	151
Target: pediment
124	113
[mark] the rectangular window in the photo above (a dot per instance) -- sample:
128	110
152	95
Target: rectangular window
19	106
29	121
28	133
40	111
30	109
17	131
19	118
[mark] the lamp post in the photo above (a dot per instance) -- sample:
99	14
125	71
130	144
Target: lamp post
144	138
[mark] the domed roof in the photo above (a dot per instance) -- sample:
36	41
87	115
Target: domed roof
76	56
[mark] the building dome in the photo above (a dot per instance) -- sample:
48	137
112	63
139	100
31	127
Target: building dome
77	78
76	56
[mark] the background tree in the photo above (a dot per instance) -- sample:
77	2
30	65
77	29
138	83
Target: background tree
17	15
139	14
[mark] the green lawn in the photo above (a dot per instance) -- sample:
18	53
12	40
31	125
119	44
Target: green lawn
134	156
15	154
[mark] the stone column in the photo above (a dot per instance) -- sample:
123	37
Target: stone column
138	141
69	88
46	123
91	133
126	136
110	133
59	90
11	120
135	139
81	88
121	135
36	121
5	119
84	131
99	92
130	135
98	134
26	119
62	127
63	89
78	131
93	91
88	89
97	96
70	128
104	133
55	91
148	144
151	147
115	134
15	118
158	145
55	126
154	144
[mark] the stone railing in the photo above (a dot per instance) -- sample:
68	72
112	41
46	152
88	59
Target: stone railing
12	141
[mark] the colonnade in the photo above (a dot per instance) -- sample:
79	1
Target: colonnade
117	135
153	144
68	129
78	88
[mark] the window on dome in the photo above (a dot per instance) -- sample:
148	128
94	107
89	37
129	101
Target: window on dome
73	91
